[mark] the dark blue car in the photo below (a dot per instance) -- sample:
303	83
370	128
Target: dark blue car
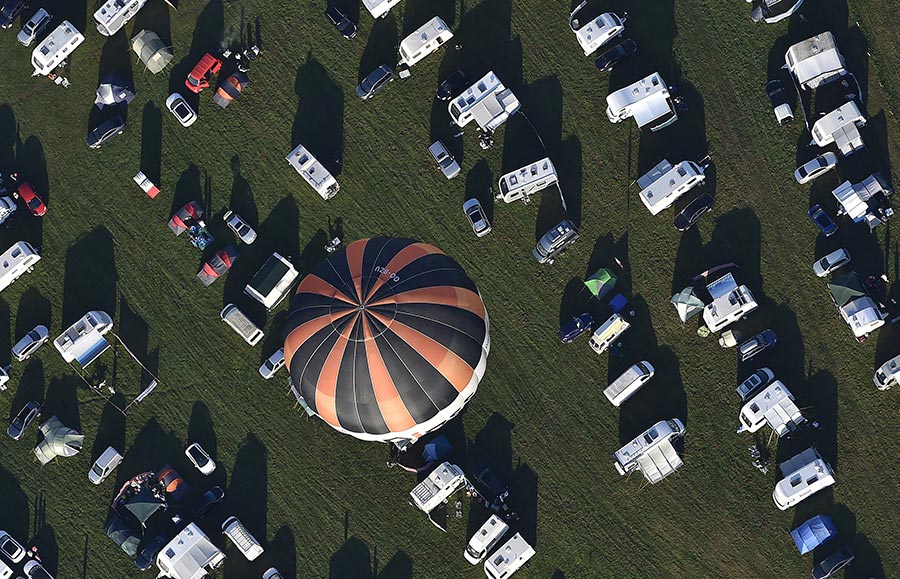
575	327
823	221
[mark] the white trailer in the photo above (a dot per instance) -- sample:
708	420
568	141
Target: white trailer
313	172
487	102
437	486
271	283
841	127
804	475
730	302
379	8
888	374
815	61
424	41
113	15
773	406
662	185
652	452
17	261
509	558
83	341
526	181
56	48
597	32
647	100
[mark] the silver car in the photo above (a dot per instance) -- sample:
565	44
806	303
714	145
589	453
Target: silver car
35	25
444	159
240	227
832	261
477	219
757	344
555	241
272	365
7	208
818	166
181	109
25	418
30	343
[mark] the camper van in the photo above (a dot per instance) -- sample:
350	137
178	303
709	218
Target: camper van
730	302
427	39
113	15
484	539
524	182
804	475
509	558
487	102
841	127
647	100
608	333
595	33
775	406
662	185
15	261
241	324
56	48
815	61
888	374
272	282
313	172
626	385
379	8
437	486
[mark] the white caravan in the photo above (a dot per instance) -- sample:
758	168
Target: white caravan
56	48
866	201
524	182
487	102
652	452
662	185
313	172
424	41
815	61
804	474
627	385
17	261
841	127
775	406
272	282
437	486
607	333
597	32
858	310
509	558
772	11
190	555
730	302
379	8
484	539
113	15
647	100
83	341
888	374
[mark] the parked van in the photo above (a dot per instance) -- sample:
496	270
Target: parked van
113	15
241	324
272	282
626	385
509	558
242	539
15	261
427	39
56	48
484	539
523	182
104	465
609	332
888	374
804	475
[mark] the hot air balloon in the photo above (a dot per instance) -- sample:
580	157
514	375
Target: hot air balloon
387	339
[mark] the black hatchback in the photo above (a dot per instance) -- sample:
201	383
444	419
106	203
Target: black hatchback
340	21
688	216
452	86
606	61
105	132
374	82
10	10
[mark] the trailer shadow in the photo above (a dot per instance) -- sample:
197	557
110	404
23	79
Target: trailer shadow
154	16
150	450
16	512
353	560
89	282
75	11
151	143
381	47
9	136
417	12
115	59
248	491
868	562
319	122
400	566
283	552
655	37
487	29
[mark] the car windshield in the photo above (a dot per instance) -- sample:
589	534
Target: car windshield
98	470
193	81
34	204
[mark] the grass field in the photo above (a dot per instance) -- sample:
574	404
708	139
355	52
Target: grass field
323	503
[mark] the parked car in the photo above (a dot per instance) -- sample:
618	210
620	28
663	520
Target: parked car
104	465
7	208
693	211
477	219
780	104
30	343
555	241
754	382
23	419
199	77
272	573
757	344
181	109
217	265
207	501
823	221
34	570
340	21
33	28
452	85
444	159
30	197
817	166
147	556
833	563
240	227
489	485
11	548
374	82
200	458
105	132
10	11
580	324
606	61
272	365
832	261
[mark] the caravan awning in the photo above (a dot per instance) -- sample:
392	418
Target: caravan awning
92	352
651	108
659	462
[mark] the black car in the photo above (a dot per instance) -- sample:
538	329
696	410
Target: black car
833	563
147	557
452	85
11	9
488	485
606	61
374	82
341	22
122	535
105	132
693	211
207	501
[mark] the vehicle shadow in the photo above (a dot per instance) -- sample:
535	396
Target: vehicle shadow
16	512
30	387
247	498
241	200
44	536
150	450
115	59
32	165
61	401
283	552
353	560
207	38
187	188
89	282
111	430
151	143
9	136
381	47
319	122
418	12
34	309
349	8
868	562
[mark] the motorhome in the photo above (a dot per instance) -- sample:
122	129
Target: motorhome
190	555
313	172
526	181
815	61
83	341
608	332
17	261
241	324
662	185
626	385
803	475
730	302
652	451
113	15
484	539
487	102
509	558
888	374
773	11
841	127
858	310
437	486
867	201
429	38
773	406
647	100
271	283
55	49
379	8
595	33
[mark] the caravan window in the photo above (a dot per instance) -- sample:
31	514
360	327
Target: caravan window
795	480
812	479
16	252
482	87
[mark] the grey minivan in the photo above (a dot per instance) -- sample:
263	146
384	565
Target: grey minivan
555	241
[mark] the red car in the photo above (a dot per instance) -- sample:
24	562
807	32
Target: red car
198	79
32	201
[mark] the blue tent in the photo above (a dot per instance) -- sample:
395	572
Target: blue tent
437	449
813	533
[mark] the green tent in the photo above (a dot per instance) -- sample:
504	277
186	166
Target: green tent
601	283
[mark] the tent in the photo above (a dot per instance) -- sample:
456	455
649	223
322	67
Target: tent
845	288
687	304
601	283
113	91
230	89
817	530
152	51
143	504
59	440
437	449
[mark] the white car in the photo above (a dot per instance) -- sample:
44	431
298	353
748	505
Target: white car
30	343
7	208
35	25
832	261
272	365
272	573
240	227
477	219
34	570
816	167
104	465
11	548
200	458
181	109
444	159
